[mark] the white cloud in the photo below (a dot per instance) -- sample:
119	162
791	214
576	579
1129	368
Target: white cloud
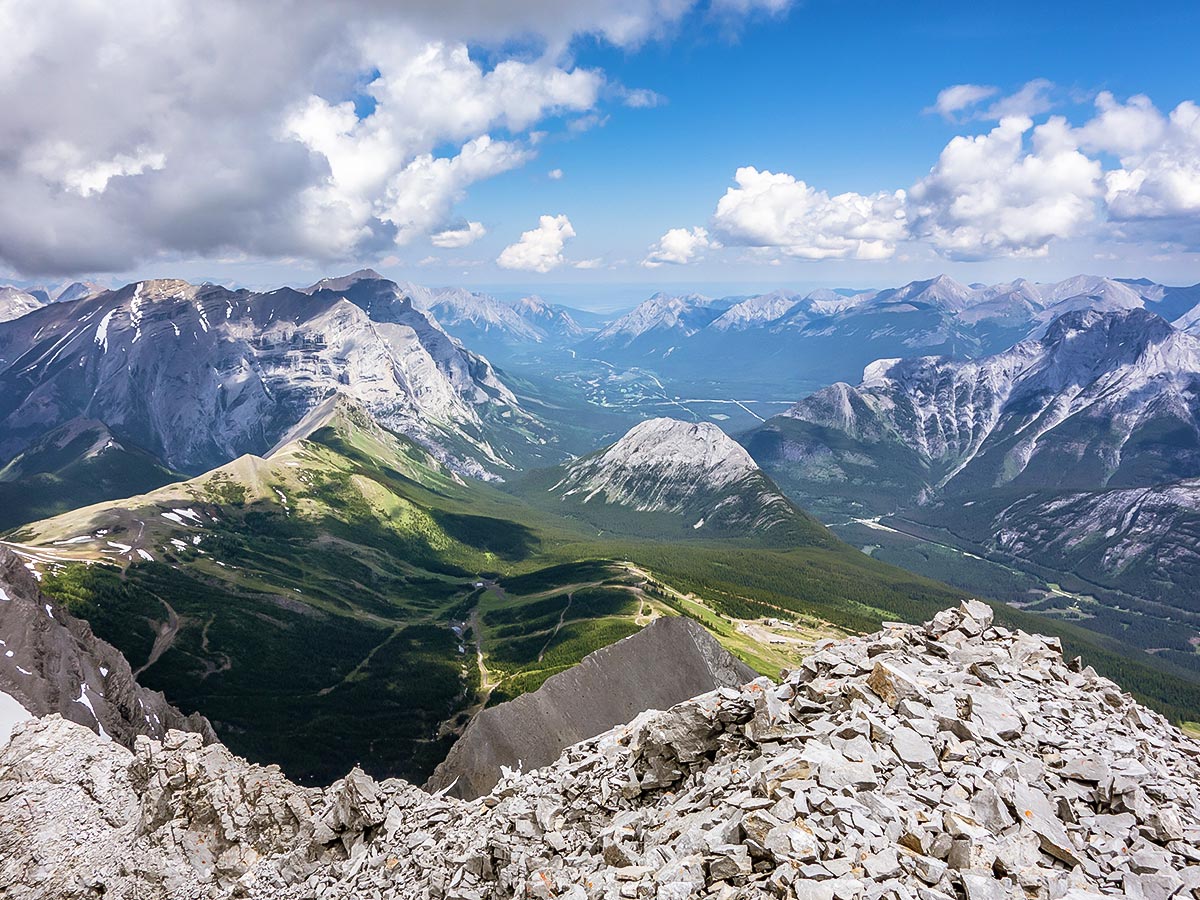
555	174
226	143
958	97
961	102
641	98
991	195
589	263
1123	129
1154	194
678	247
67	164
1032	99
540	249
1011	191
454	238
778	211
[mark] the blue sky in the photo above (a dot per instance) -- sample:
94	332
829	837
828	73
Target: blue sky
837	95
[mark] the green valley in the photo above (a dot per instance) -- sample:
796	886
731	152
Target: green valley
346	599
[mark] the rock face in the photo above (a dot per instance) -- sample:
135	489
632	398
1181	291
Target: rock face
690	470
198	375
952	760
666	662
1075	408
15	303
50	662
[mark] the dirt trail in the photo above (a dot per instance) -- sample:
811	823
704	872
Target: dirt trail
561	617
209	667
486	684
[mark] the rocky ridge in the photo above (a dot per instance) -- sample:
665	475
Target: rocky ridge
958	759
51	662
199	375
668	661
1072	408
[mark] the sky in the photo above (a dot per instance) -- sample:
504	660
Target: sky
595	152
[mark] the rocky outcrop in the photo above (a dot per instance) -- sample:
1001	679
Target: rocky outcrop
51	662
665	663
953	760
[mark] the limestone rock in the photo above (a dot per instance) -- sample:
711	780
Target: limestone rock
822	787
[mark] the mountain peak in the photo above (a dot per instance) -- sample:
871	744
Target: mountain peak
691	472
696	444
1124	329
342	282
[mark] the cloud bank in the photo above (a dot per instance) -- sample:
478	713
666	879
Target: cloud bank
282	128
1011	191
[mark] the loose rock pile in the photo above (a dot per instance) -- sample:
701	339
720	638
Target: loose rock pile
952	760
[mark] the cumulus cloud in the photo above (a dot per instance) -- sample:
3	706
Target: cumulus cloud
453	238
123	142
555	174
1011	191
677	247
1154	194
777	210
540	249
992	194
1032	99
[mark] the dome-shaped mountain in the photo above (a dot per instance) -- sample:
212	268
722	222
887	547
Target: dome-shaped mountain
667	475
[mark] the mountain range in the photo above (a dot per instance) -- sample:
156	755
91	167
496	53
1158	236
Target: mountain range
322	519
806	341
197	375
1074	453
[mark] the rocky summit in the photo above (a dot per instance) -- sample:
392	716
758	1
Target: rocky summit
958	759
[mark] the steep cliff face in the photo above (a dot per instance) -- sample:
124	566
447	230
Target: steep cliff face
955	759
665	663
50	662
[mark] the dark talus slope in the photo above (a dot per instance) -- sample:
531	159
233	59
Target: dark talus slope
668	661
51	662
955	759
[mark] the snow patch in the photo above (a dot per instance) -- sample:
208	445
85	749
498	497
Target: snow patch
86	701
102	330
